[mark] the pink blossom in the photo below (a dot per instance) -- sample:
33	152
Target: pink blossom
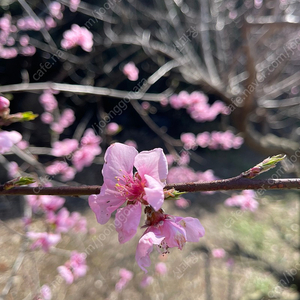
112	128
74	268
182	203
218	253
56	127
80	223
24	40
245	201
85	156
13	169
161	268
170	159
8	139
62	220
203	139
126	276
23	144
50	23
146	281
29	23
184	158
8	53
77	36
121	185
74	5
57	167
166	231
181	174
131	71
90	138
4	103
28	51
64	148
47	118
43	240
68	174
48	101
146	105
188	140
51	203
67	118
55	9
45	292
131	143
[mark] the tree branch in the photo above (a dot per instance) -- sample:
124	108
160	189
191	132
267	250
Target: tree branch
235	183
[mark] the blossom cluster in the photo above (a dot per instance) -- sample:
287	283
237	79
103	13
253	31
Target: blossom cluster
245	201
145	187
197	106
215	140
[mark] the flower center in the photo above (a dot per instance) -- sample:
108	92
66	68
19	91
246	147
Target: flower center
131	187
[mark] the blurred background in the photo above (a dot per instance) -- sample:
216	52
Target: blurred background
213	83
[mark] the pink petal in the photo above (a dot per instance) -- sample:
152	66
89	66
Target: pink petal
175	235
119	160
193	228
145	247
127	221
153	163
154	193
66	274
105	203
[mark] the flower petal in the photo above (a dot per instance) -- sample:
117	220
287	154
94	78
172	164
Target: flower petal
127	221
154	192
105	203
193	228
119	160
66	274
153	163
175	235
145	247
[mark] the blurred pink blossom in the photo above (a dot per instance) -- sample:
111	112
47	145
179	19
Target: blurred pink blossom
182	203
50	23
131	143
112	128
188	140
13	169
47	117
23	144
67	118
85	156
245	200
55	9
8	139
161	268
74	5
45	292
218	253
64	147
51	203
29	23
43	240
77	36
131	71
4	103
48	101
197	106
8	53
74	268
146	281
125	277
